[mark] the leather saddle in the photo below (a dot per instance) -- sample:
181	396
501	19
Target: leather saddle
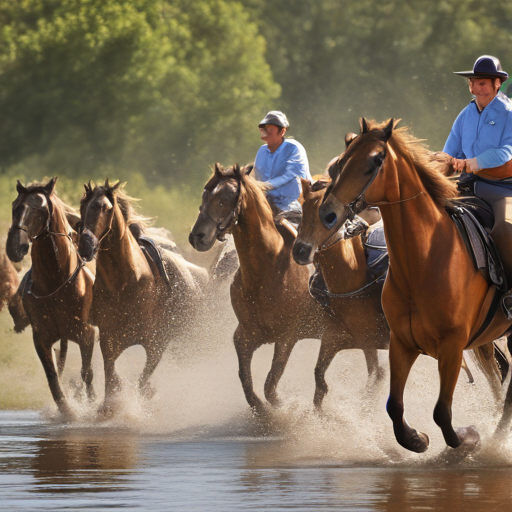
474	220
153	254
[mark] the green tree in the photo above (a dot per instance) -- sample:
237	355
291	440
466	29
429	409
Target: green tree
339	60
157	87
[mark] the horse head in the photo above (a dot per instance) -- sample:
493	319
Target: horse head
353	173
97	213
31	215
220	206
311	232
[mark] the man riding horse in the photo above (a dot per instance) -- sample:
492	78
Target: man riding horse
280	163
480	147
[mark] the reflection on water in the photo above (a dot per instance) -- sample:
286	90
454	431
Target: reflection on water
47	466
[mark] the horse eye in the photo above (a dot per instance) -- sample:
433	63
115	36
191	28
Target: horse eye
379	159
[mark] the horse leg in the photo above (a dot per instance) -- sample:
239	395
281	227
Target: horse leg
449	363
328	349
401	360
507	410
43	348
282	351
153	357
465	367
86	349
110	351
61	356
245	349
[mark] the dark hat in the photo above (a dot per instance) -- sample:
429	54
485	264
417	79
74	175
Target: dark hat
485	66
276	118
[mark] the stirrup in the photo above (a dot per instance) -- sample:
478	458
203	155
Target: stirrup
506	304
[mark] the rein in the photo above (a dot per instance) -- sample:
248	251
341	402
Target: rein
356	294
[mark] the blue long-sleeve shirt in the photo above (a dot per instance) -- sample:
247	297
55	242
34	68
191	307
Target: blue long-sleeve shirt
281	170
486	135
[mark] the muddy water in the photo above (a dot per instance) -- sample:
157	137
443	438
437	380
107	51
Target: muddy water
196	447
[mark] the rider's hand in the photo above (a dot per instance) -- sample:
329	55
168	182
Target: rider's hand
471	165
459	164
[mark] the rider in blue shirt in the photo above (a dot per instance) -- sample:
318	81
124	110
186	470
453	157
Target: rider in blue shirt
480	146
280	163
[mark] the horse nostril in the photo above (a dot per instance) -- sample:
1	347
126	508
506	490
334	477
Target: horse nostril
330	218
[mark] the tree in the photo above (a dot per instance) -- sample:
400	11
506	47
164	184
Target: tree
152	86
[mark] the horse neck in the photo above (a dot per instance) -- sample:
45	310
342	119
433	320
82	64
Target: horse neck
54	257
257	241
120	259
414	225
343	266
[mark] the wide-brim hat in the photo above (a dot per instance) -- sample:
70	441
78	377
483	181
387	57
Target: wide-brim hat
276	118
485	66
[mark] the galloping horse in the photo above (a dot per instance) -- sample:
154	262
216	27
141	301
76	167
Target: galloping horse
134	303
356	319
269	292
435	300
57	293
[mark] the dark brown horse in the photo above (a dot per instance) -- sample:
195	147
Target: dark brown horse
57	293
269	293
434	298
134	304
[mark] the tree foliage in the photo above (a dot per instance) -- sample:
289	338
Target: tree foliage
148	85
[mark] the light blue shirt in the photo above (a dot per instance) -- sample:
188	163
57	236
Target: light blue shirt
282	170
486	135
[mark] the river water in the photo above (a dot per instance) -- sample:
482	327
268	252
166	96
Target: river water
196	447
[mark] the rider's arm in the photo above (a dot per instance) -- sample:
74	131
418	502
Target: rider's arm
453	145
497	156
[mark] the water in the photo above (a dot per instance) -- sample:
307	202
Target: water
196	447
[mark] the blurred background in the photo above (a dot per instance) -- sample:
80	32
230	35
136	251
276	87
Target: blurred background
155	92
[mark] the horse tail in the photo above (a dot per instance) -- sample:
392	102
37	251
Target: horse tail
485	358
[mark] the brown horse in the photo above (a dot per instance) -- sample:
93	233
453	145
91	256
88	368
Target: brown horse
356	319
269	292
57	293
134	304
434	298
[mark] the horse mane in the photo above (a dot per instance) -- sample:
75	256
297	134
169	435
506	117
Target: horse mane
432	174
254	189
130	214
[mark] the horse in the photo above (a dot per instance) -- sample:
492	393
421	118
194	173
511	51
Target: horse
269	293
57	291
135	300
435	300
356	319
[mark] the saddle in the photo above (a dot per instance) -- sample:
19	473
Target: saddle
377	257
474	220
153	254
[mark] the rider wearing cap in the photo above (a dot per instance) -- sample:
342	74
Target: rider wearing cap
280	163
480	144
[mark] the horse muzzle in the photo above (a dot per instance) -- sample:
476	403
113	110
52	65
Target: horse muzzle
302	252
332	213
17	245
88	245
203	235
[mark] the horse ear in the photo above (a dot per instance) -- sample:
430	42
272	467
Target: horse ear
115	186
88	188
248	169
349	138
48	188
218	168
388	130
306	187
236	170
364	126
20	188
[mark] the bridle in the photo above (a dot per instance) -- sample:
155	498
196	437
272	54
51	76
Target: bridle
231	218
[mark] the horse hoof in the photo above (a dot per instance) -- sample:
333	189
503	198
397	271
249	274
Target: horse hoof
469	437
417	442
